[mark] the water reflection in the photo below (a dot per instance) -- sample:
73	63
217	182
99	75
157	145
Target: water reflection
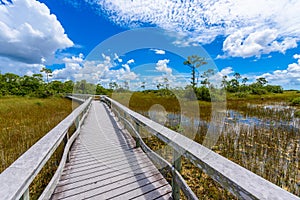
232	117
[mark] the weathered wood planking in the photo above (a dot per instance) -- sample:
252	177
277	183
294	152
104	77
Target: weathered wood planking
104	164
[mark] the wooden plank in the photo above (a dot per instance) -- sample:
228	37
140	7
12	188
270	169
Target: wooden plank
77	169
151	191
103	152
95	168
114	159
102	174
104	163
98	167
101	191
97	180
103	147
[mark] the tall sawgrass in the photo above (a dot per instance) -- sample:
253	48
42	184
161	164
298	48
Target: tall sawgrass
23	121
270	148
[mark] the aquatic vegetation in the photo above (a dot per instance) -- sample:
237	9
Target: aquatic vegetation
296	101
262	136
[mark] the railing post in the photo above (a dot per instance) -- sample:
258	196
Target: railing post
25	196
176	166
124	116
77	120
66	139
137	140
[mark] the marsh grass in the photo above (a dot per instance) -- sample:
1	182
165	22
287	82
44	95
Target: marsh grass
270	149
270	152
23	121
286	96
201	184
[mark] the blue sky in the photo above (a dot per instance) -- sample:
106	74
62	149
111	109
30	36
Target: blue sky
256	38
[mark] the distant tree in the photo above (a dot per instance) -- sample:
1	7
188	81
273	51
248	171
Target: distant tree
101	90
159	85
245	80
12	83
56	87
194	62
232	85
29	85
224	82
68	86
143	85
113	85
261	81
237	76
166	82
48	73
205	76
126	85
274	88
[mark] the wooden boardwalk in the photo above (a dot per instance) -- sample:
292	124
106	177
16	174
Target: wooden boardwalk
104	164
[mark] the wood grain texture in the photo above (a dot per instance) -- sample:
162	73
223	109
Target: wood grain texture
104	164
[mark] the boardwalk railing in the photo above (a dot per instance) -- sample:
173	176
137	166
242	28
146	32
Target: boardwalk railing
241	182
15	180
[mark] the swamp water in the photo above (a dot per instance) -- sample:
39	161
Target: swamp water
263	138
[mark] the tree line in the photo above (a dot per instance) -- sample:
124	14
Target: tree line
237	85
35	86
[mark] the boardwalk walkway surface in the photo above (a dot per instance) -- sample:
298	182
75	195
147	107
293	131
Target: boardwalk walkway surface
104	164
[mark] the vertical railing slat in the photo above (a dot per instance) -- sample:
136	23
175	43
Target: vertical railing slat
176	166
26	195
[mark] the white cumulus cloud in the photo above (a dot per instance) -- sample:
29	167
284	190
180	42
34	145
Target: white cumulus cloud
289	78
162	66
250	27
76	69
159	51
246	43
29	32
130	61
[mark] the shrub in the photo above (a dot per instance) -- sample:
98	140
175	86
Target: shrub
297	113
274	88
296	101
202	93
258	91
241	94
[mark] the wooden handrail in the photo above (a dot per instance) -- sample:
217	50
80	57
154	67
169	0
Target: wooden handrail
15	180
241	182
158	160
